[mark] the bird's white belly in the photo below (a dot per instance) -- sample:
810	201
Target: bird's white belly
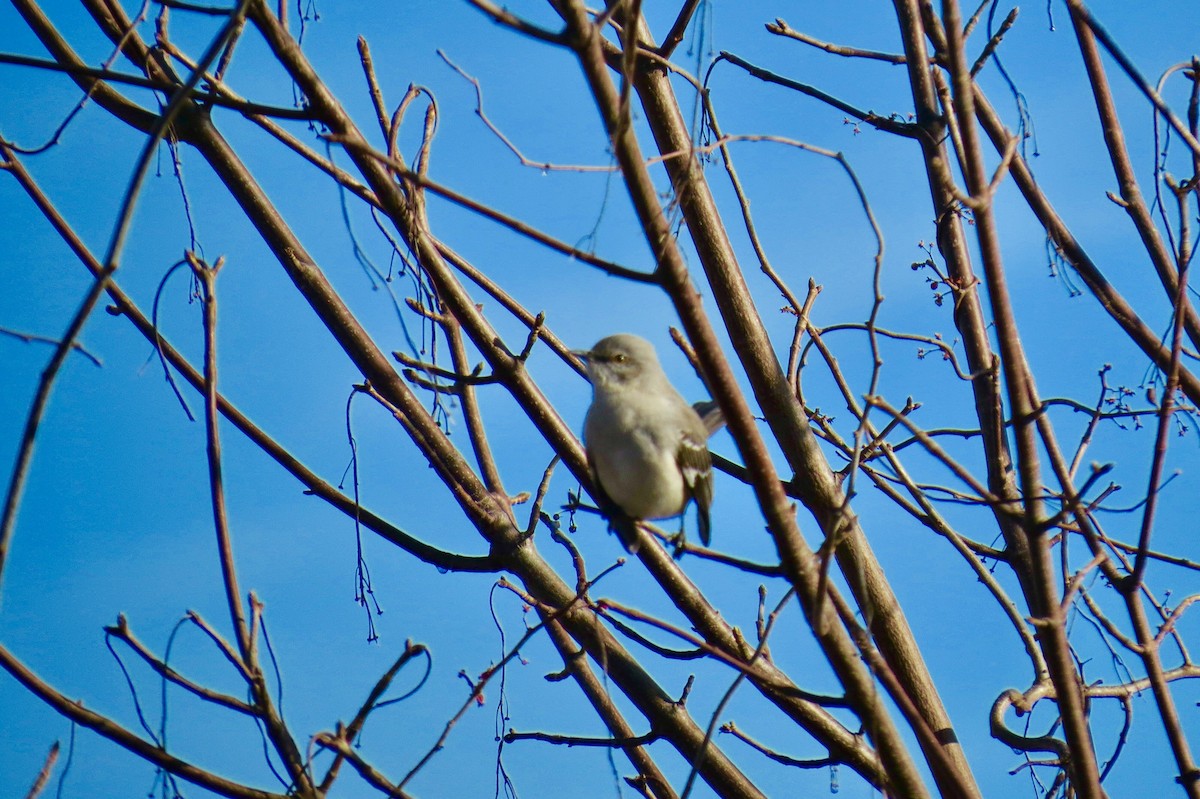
644	480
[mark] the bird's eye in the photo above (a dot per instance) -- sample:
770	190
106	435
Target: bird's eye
619	357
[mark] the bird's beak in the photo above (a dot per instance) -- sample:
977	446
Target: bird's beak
586	357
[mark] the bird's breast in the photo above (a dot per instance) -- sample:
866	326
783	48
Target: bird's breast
637	461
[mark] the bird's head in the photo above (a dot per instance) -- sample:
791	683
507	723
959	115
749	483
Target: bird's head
619	360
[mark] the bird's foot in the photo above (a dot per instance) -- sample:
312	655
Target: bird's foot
678	544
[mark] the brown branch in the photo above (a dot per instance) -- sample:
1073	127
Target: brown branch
946	350
276	730
942	762
780	28
545	166
1082	16
343	178
764	626
122	632
506	300
1037	582
818	762
502	16
576	740
347	735
1168	712
993	42
472	413
346	752
1131	195
1165	557
741	664
933	520
219	99
314	485
107	728
884	123
535	514
951	242
495	669
43	775
233	596
934	449
512	223
1110	299
1168	625
716	556
112	258
368	65
1001	732
223	646
772	392
1162	433
106	96
678	28
30	338
973	22
917	29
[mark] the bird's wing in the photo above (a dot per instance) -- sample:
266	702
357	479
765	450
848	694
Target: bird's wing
696	466
710	413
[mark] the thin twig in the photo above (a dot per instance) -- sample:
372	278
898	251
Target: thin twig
884	123
111	260
780	28
30	338
43	775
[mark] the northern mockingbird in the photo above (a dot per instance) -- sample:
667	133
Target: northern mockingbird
646	447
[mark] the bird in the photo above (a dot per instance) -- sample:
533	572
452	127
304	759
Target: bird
646	447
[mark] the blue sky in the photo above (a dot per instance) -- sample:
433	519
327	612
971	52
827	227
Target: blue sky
115	518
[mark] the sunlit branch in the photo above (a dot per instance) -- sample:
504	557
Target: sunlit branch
1110	299
818	762
1081	13
994	42
780	28
971	552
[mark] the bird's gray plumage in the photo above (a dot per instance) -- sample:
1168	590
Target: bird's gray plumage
647	448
